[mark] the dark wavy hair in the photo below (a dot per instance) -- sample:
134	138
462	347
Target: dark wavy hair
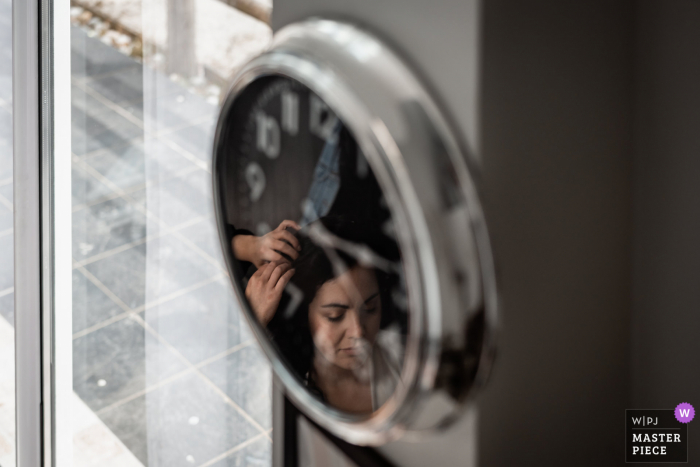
313	268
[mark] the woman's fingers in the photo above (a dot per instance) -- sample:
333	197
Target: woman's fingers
282	247
284	280
272	256
267	271
258	272
277	273
287	223
286	236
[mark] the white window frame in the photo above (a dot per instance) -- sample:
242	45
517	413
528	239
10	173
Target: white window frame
42	231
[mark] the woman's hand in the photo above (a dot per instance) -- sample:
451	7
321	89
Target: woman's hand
280	246
265	288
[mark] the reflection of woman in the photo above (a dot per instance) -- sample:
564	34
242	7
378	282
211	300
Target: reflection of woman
333	338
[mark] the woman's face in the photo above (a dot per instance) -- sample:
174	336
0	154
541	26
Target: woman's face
344	317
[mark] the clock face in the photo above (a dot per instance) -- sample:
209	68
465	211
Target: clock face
312	244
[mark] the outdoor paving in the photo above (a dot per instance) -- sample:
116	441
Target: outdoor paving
226	38
161	354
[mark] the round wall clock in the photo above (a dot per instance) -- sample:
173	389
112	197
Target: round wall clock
353	234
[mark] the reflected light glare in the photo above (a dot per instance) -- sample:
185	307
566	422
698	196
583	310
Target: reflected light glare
362	49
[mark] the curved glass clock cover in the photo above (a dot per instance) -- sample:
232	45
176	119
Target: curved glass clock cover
311	244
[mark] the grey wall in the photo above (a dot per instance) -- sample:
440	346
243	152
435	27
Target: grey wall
666	319
557	159
430	35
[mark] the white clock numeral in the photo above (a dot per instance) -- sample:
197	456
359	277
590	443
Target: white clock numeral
255	177
290	112
322	121
389	229
362	165
268	135
262	228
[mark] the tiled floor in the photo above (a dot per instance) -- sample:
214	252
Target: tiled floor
161	354
160	351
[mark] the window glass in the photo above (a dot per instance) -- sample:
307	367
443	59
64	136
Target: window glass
165	371
315	254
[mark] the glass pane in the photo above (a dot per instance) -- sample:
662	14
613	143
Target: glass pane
164	368
7	335
314	254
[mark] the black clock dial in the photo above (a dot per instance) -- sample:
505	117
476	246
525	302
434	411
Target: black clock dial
273	141
313	243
